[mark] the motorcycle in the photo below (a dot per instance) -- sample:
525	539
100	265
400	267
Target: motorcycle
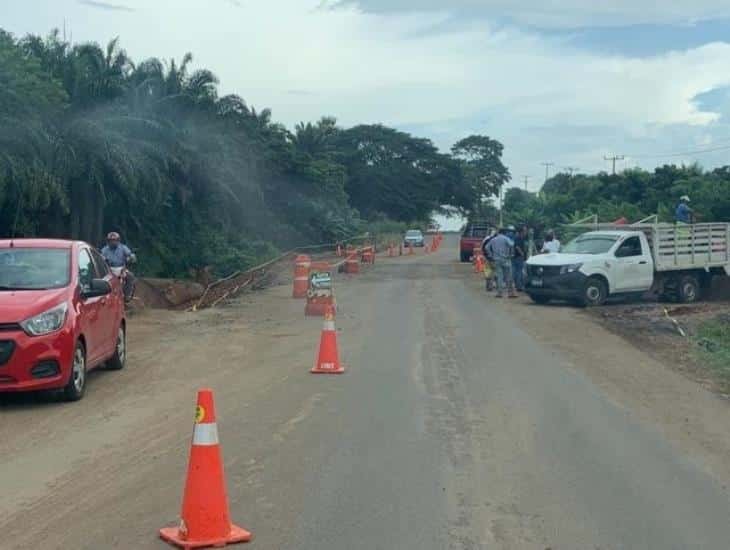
127	280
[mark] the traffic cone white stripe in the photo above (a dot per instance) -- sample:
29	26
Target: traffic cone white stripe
205	435
329	325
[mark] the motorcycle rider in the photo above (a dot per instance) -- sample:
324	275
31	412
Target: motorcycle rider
118	255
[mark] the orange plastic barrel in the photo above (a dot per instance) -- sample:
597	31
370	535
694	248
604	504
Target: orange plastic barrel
302	264
352	266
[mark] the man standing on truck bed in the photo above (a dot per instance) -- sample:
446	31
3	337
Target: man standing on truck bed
500	248
684	213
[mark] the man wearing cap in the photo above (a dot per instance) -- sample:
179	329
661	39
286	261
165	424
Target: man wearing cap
684	213
501	249
118	255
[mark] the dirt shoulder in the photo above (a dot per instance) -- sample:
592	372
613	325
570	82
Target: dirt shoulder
653	388
674	335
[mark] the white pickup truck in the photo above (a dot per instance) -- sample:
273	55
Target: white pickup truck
677	262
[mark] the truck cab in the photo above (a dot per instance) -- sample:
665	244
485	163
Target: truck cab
592	267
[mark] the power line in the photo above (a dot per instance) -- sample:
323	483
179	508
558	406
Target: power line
685	153
613	159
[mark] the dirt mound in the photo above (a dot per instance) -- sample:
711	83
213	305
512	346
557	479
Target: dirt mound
165	293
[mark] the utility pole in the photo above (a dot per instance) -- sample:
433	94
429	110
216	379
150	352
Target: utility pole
613	159
526	179
501	207
547	166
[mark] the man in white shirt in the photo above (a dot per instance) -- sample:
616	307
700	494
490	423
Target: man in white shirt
551	244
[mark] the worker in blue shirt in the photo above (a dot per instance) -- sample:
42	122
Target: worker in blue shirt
684	213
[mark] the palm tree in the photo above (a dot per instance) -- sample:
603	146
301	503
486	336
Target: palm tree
102	73
314	139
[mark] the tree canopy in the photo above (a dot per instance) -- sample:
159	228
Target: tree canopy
633	194
92	141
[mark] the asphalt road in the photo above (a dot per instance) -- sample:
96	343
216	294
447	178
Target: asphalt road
453	428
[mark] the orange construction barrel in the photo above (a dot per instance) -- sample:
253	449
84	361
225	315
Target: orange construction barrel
352	266
302	264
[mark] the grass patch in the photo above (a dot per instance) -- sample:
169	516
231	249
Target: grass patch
713	340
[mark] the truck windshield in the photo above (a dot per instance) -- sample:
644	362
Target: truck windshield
34	268
590	244
476	232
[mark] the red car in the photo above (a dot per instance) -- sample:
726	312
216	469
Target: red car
61	315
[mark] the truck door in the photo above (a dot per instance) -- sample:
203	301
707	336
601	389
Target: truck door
634	268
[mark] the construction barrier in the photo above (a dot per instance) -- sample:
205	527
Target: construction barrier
352	266
205	519
320	292
302	264
368	255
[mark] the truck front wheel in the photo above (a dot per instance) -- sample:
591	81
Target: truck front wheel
595	292
465	256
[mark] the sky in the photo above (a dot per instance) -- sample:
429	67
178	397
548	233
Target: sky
567	82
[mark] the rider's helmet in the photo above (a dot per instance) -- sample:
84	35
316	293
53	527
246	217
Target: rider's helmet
113	236
684	198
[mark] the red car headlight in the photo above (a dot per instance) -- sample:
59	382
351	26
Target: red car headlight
44	323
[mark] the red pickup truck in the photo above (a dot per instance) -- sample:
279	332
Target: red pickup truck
473	235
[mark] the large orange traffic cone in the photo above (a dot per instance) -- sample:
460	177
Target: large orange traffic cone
205	521
328	360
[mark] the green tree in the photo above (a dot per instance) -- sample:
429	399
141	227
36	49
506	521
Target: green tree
483	168
91	141
392	173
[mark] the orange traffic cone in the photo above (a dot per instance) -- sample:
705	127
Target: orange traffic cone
479	265
205	520
328	360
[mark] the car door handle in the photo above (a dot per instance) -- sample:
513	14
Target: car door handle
643	262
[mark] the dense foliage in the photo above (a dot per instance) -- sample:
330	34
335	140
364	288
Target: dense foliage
91	141
633	194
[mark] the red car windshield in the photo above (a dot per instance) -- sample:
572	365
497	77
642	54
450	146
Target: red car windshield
34	268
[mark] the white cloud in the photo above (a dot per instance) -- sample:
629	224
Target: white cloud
559	13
